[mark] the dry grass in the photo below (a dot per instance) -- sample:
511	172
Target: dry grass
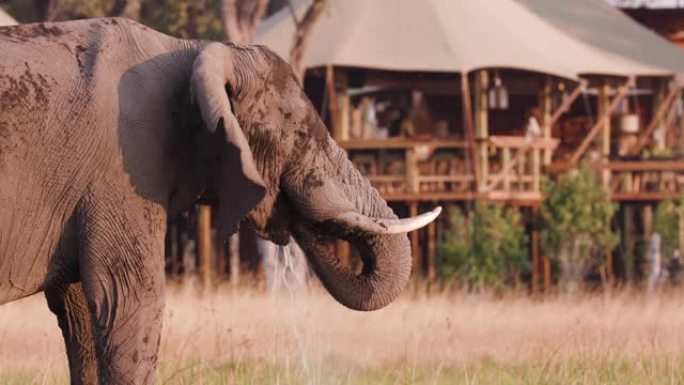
246	337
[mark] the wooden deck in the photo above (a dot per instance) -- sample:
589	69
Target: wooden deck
439	170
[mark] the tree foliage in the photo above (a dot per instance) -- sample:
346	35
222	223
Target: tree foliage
666	223
577	214
234	20
490	250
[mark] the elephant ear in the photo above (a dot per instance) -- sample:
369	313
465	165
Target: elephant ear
240	187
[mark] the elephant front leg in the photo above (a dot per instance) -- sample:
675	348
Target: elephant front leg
69	305
121	266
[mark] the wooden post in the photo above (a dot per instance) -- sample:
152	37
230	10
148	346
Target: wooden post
628	241
647	219
546	105
609	266
235	259
482	125
505	169
604	109
470	126
412	180
432	247
535	261
521	157
415	241
547	274
659	97
536	169
333	105
204	242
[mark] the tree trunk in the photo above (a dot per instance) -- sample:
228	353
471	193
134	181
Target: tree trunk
240	19
47	10
126	8
302	36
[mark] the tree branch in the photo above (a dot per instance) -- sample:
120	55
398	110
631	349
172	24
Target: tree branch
302	36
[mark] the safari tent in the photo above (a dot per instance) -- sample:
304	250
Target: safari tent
601	87
558	37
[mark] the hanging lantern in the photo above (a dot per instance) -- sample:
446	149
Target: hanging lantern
564	95
498	94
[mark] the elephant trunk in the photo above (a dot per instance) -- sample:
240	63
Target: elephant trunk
386	257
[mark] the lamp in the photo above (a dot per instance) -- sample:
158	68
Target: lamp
498	94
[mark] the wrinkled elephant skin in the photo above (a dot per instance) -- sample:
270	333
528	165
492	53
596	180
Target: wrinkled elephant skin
107	127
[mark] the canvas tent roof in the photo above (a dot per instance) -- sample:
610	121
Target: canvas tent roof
565	38
6	19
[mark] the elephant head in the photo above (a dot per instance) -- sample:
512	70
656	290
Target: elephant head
283	171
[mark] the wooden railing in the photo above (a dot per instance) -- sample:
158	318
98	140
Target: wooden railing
516	169
646	179
439	169
639	180
413	169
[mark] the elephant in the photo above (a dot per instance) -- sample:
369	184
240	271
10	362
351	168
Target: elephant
107	127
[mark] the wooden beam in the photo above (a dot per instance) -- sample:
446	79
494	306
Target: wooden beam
482	125
332	98
535	261
235	259
432	248
547	274
204	243
415	241
603	106
398	144
546	103
662	109
581	87
470	125
622	92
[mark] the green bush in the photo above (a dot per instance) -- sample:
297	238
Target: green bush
666	223
576	214
490	250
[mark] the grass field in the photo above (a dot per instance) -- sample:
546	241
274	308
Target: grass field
247	337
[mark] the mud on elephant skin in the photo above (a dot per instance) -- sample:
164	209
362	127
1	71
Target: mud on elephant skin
133	125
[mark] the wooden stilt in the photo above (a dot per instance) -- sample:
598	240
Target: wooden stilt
609	266
415	242
535	261
204	248
432	247
628	241
647	219
547	274
235	259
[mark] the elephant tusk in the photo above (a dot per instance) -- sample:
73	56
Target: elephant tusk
386	226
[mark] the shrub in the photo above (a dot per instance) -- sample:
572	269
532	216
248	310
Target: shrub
490	250
576	214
